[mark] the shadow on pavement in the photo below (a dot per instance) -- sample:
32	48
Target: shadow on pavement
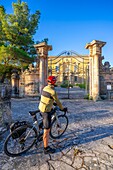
87	135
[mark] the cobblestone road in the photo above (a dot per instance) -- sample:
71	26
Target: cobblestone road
84	146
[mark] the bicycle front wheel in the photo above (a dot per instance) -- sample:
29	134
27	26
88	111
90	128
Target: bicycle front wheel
58	127
15	146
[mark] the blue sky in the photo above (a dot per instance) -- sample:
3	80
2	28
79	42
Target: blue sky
70	25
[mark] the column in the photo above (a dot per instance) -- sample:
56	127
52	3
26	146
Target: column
42	52
15	83
95	53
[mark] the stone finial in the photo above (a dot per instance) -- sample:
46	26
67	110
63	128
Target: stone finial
106	66
42	48
31	67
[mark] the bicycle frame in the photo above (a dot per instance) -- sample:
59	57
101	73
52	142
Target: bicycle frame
29	132
55	116
36	121
34	132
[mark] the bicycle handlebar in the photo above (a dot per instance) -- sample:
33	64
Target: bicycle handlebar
56	108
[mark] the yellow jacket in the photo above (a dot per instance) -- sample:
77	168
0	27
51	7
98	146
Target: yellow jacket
48	97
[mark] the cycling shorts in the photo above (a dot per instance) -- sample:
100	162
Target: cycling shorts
46	120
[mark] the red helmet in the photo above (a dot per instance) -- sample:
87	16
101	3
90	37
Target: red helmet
52	79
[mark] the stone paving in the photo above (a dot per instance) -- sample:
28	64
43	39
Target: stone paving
84	146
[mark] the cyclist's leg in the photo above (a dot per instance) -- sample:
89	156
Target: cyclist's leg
47	124
46	137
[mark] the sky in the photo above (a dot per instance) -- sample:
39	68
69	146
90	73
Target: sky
71	24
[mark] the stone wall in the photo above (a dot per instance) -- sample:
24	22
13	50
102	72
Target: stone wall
106	80
29	82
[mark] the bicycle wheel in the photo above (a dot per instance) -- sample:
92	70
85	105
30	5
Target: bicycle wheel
19	145
58	127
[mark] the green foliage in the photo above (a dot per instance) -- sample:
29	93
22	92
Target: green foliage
13	55
7	71
20	27
88	97
82	86
70	85
16	33
2	21
66	84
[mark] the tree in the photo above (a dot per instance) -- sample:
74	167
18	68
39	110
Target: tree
19	1
16	34
20	27
2	19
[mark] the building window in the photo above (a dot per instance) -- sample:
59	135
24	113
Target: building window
65	78
75	78
57	68
75	68
50	71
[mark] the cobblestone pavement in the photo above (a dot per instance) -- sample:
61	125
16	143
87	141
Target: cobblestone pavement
84	146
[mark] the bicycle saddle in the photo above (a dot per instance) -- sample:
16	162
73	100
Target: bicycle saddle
33	113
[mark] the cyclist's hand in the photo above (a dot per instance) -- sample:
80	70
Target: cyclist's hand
65	109
54	104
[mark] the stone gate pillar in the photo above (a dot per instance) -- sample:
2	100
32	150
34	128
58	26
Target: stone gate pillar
95	49
42	51
5	104
15	83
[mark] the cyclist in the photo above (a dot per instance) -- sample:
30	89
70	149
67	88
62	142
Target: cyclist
48	97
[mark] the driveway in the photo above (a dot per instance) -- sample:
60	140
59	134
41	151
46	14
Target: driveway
84	146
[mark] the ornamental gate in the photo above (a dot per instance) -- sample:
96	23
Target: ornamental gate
70	68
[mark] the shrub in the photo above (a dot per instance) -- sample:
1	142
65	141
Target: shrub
70	85
66	85
82	86
88	97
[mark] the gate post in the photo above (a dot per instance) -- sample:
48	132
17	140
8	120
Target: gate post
15	83
5	104
42	51
95	49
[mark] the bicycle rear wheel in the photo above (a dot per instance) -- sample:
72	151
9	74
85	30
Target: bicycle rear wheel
58	127
17	146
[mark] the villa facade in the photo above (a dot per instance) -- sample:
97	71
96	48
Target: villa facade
70	68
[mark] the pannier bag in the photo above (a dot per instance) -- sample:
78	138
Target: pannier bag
17	131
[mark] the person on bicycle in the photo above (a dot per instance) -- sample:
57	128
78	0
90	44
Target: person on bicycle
48	97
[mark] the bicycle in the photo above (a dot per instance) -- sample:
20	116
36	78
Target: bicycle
22	138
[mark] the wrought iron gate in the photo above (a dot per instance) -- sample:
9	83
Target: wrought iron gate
70	67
